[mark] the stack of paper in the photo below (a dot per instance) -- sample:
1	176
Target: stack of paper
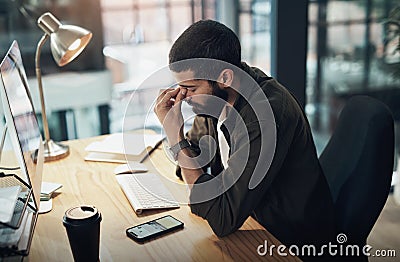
120	148
48	189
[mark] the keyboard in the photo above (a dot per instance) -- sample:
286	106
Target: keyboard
146	191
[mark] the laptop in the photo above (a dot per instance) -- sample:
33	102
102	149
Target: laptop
27	143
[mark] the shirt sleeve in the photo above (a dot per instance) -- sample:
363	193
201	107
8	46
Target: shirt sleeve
234	202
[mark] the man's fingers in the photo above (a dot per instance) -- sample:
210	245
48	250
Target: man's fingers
162	93
169	95
173	92
180	96
165	90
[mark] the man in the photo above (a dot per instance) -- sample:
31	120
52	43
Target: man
291	198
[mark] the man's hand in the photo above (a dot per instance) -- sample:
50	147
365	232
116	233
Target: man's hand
168	111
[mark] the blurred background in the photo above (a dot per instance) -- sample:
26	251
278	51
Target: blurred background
346	55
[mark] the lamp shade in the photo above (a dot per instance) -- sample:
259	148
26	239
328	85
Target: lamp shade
66	41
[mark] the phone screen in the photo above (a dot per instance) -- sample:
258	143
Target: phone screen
168	222
154	227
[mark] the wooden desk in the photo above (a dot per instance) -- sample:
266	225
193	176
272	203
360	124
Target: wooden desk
94	183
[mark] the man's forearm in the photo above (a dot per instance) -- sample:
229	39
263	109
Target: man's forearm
189	167
174	135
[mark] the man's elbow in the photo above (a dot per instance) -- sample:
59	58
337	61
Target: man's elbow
222	221
222	230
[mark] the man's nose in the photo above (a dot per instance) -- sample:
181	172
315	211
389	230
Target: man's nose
188	100
189	93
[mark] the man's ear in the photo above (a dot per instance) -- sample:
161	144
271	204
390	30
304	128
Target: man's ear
225	79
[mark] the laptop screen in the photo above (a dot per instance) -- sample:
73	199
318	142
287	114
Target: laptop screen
21	119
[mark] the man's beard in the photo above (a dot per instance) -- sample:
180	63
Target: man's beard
216	104
216	91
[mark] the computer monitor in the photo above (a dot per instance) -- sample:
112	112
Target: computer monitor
21	120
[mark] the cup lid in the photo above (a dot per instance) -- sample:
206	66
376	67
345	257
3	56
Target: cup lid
81	212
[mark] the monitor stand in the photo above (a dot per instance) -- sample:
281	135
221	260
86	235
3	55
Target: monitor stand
45	205
3	140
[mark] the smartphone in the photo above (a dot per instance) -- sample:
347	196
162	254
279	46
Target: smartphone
154	228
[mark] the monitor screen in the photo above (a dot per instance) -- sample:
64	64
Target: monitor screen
21	119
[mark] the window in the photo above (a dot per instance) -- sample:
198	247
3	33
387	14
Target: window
346	56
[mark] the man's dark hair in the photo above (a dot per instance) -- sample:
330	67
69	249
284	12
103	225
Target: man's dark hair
205	39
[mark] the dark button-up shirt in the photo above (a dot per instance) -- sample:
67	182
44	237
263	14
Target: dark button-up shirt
293	200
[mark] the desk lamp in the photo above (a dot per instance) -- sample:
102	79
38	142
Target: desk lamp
67	42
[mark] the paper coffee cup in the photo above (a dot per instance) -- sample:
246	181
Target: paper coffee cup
82	224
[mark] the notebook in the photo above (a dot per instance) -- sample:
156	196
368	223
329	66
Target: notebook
120	148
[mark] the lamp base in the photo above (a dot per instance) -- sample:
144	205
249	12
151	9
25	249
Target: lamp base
54	151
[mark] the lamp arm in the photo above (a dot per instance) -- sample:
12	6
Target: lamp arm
40	86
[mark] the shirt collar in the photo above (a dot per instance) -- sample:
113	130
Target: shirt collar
224	114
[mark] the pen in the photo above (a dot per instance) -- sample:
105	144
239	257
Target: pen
152	150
